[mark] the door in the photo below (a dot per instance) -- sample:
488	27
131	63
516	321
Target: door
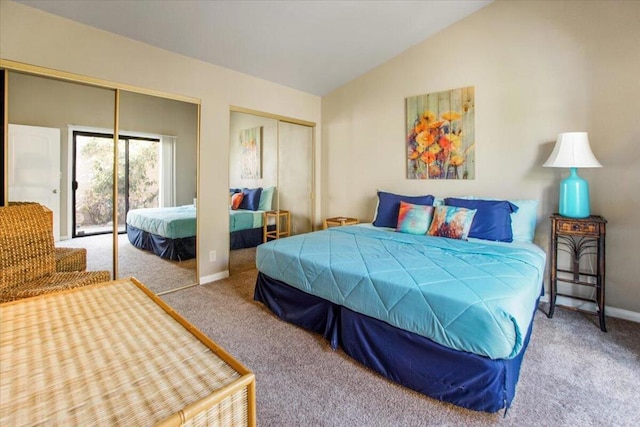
34	168
138	179
295	174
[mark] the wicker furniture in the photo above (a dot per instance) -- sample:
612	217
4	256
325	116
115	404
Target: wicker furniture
67	259
27	256
71	259
115	354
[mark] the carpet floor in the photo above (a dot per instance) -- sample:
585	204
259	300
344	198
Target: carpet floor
572	373
159	275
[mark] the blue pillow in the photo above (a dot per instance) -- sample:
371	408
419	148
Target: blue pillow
492	220
266	199
389	205
523	222
251	200
233	191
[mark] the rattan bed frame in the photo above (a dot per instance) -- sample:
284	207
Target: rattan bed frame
115	354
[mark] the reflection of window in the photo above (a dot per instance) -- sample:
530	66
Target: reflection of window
142	178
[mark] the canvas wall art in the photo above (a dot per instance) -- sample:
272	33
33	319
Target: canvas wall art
251	153
441	135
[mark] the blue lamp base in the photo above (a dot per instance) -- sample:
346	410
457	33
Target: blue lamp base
574	196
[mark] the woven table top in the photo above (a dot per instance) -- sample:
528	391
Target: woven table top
106	354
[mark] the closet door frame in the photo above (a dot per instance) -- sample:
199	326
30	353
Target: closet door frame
8	66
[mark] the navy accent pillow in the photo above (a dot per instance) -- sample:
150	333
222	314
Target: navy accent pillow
389	206
492	220
233	191
251	199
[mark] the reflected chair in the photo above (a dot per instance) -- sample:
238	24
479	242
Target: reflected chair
28	256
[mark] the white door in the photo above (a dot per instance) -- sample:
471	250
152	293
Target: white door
34	168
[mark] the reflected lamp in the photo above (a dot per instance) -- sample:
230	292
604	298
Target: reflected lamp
572	151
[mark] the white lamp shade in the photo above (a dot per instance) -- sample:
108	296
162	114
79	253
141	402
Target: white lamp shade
572	150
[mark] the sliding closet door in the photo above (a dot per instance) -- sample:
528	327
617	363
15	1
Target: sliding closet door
158	157
40	102
295	174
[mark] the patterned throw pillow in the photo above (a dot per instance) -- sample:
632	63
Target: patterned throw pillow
414	219
451	222
388	204
236	199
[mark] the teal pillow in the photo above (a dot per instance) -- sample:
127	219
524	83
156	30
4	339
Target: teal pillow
266	199
414	219
523	222
451	222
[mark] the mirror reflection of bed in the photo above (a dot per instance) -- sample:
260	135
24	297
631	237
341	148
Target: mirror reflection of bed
270	169
158	142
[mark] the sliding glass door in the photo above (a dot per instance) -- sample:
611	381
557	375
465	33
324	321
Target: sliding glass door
138	180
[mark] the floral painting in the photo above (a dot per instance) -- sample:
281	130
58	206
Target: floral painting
251	150
441	135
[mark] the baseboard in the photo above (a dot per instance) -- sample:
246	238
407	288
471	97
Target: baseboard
214	277
610	311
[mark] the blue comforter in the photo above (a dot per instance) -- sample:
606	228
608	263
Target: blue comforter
174	222
475	296
241	219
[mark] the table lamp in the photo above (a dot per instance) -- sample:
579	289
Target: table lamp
572	151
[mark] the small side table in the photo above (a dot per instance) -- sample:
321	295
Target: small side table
578	237
339	221
283	225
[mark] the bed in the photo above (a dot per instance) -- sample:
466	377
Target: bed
246	215
169	232
115	354
245	228
448	318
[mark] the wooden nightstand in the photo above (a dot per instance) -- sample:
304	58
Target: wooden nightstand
578	237
339	221
283	225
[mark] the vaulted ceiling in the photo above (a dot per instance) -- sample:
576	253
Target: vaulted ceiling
313	46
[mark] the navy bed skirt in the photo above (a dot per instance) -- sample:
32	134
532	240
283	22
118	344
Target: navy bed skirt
164	247
464	379
247	238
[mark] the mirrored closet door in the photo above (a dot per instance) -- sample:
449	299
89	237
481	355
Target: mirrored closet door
272	155
41	114
60	151
156	191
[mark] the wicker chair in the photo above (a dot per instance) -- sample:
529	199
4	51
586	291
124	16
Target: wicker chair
71	259
67	259
28	259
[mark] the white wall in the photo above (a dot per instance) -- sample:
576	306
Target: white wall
539	68
34	37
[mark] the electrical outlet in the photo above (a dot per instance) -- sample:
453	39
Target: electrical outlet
212	256
294	229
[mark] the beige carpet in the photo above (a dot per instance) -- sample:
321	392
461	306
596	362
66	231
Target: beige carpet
572	374
157	274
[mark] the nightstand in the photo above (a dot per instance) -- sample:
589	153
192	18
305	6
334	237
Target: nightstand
339	221
283	225
579	238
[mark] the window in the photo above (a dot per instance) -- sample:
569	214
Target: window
141	178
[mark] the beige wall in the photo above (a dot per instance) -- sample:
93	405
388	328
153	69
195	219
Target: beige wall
538	68
30	36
